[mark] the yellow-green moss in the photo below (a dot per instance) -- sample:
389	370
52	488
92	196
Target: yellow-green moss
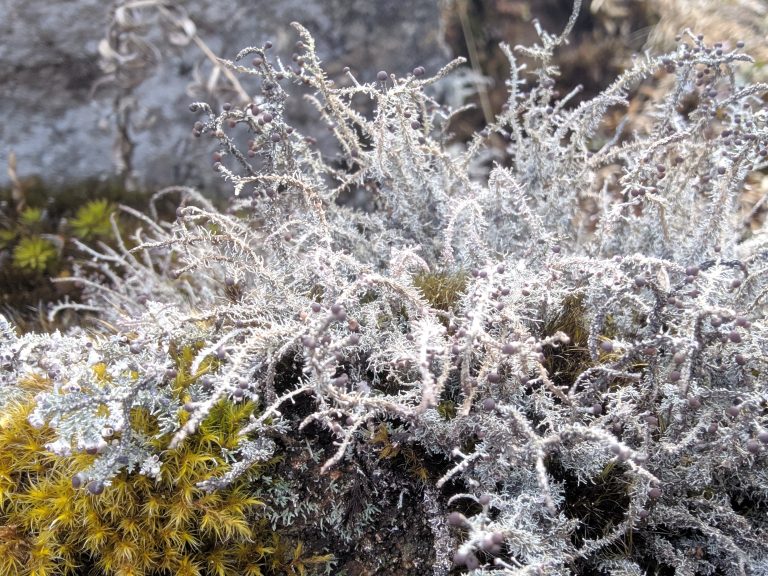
441	289
34	254
92	220
38	246
139	525
447	409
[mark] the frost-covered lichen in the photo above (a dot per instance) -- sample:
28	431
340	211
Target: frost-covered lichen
608	329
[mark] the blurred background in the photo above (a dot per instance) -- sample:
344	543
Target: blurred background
93	90
95	94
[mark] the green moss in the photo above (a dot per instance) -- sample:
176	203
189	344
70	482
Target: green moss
7	237
31	217
38	247
93	220
34	254
447	409
441	289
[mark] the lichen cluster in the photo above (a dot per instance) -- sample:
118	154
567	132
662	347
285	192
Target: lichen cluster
563	352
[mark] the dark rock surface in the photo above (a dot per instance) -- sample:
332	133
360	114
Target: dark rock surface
58	114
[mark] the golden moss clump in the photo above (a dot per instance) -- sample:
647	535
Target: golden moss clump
138	525
568	361
441	289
